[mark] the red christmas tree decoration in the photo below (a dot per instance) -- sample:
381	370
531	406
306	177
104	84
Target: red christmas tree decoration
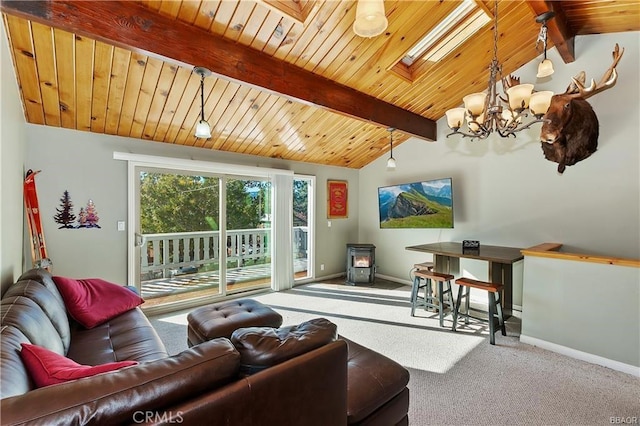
82	218
91	215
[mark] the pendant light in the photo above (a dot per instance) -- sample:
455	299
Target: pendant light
370	20
203	130
391	162
545	69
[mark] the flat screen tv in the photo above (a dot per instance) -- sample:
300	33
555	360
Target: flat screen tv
426	204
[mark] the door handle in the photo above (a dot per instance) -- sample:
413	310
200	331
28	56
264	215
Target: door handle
140	240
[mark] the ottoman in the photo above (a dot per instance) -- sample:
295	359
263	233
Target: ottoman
377	393
223	318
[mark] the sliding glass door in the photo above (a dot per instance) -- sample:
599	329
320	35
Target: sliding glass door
248	235
187	249
303	218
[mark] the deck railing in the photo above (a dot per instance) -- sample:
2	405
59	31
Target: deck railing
169	254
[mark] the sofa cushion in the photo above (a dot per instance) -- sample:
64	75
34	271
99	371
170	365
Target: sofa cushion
129	336
49	368
27	316
14	375
93	301
49	301
126	395
262	347
44	278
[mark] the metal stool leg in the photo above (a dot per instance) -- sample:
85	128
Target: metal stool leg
414	295
492	318
440	304
503	328
457	307
441	293
468	297
451	301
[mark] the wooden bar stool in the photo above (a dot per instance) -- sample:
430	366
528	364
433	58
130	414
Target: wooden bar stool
424	266
495	304
429	300
416	300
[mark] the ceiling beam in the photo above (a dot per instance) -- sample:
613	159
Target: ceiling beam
558	29
135	27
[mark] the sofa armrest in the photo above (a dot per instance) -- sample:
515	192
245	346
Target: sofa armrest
309	390
115	397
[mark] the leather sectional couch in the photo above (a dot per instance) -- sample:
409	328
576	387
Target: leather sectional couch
201	385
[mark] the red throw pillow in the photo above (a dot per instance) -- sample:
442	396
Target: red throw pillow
93	301
49	368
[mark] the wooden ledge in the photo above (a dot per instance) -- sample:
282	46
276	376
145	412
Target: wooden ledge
550	250
545	247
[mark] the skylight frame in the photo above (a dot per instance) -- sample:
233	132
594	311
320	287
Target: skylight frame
465	30
446	26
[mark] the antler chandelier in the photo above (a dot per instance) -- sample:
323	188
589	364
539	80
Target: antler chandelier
484	112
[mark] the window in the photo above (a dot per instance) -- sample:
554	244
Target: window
444	38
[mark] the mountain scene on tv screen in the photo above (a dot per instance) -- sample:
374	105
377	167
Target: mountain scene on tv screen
416	205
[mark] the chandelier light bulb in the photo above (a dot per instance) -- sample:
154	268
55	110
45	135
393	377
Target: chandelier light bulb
455	117
519	96
474	125
539	102
474	103
507	116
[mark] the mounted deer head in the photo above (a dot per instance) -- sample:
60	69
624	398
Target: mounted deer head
570	131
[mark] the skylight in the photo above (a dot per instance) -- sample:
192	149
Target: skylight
457	37
445	37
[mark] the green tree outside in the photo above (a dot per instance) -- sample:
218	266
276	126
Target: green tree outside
183	203
300	202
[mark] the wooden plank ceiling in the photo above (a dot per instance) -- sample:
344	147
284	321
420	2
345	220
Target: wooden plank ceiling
291	79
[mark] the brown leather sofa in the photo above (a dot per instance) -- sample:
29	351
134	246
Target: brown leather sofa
201	385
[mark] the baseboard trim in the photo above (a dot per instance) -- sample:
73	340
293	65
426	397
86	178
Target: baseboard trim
583	356
322	278
394	279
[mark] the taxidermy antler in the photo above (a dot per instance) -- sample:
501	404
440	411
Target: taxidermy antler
569	133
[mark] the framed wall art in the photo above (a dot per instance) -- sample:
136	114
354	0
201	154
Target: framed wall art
337	199
426	204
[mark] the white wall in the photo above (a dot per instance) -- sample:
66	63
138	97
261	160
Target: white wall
12	142
602	326
506	193
83	164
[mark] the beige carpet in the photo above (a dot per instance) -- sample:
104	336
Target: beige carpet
456	378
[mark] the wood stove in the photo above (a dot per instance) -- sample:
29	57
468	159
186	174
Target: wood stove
361	263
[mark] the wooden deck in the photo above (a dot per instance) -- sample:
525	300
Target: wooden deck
182	287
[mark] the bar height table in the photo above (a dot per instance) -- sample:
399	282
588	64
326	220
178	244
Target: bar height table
447	256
